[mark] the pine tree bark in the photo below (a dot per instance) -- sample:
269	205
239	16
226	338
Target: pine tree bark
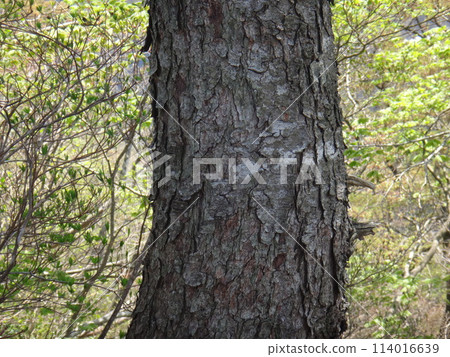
247	260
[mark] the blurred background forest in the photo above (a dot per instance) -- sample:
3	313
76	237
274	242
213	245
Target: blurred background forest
75	150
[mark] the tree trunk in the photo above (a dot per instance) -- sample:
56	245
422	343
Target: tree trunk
232	258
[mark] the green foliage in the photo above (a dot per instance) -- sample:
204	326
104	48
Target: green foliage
393	58
70	107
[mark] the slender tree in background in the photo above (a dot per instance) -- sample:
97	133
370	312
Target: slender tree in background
248	81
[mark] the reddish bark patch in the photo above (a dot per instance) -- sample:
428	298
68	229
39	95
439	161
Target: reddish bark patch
221	292
215	16
247	251
228	230
279	260
250	298
180	85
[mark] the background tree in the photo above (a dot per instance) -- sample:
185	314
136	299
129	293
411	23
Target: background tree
246	80
394	85
70	114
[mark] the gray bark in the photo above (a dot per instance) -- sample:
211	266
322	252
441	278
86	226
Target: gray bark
246	260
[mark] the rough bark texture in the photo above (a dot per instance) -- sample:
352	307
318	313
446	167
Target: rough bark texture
225	69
